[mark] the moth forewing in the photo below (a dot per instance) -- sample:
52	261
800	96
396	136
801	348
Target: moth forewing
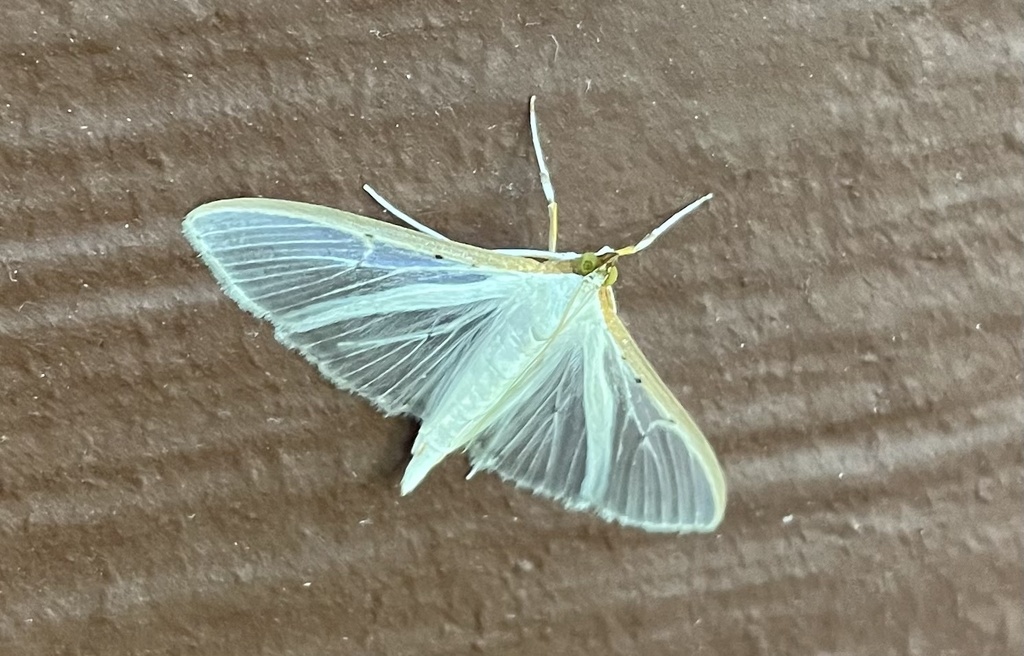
381	311
653	385
582	427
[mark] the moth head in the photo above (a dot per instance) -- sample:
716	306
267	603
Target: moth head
604	263
586	264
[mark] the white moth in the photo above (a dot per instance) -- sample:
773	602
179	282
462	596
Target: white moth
515	356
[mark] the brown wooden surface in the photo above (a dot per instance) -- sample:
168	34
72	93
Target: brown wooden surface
844	322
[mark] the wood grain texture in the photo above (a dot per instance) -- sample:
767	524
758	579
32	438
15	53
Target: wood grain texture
844	323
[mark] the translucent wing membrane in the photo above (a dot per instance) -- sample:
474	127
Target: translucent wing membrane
526	368
391	323
594	427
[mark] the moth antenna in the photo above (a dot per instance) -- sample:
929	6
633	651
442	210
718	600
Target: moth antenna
545	179
402	215
661	229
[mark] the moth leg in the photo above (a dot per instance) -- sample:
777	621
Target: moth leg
545	178
402	215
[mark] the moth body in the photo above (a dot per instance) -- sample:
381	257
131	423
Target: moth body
515	356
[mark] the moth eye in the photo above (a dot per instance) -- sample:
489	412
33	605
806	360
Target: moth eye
586	264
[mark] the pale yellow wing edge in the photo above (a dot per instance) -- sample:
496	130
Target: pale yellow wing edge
397	235
660	392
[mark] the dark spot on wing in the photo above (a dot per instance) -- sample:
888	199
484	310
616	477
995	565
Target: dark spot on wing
438	257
